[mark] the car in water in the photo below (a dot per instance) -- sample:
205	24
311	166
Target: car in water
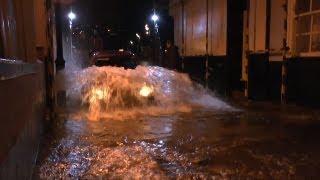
118	58
116	51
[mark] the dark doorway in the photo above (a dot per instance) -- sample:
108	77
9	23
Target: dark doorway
234	44
166	29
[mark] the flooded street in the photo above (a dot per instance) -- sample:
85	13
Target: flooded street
179	138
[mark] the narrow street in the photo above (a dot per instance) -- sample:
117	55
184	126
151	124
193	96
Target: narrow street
161	89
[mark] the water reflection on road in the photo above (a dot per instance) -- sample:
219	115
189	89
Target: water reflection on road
202	144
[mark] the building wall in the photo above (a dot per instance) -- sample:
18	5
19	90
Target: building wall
27	32
24	26
41	17
303	64
277	25
264	47
8	29
19	32
22	94
177	11
200	31
217	27
288	66
27	29
302	81
198	22
279	59
257	25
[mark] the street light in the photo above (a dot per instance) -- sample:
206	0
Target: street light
155	18
156	38
71	16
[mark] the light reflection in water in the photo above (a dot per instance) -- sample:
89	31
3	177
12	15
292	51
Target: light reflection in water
197	145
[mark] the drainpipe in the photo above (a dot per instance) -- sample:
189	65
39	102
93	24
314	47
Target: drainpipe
182	34
207	47
49	63
246	47
60	62
284	57
267	45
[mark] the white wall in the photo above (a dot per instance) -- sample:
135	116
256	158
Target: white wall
218	27
191	21
277	32
257	25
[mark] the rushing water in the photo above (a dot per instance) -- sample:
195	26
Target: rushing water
112	91
180	131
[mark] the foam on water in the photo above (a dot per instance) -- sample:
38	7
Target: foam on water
113	92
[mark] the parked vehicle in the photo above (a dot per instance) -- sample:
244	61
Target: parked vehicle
119	58
115	49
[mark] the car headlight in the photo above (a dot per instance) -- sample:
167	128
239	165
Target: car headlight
146	90
99	93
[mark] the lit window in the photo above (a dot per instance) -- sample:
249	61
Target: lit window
308	26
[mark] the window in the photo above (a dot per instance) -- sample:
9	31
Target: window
308	26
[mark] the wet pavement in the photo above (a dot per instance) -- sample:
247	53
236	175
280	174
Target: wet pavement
259	141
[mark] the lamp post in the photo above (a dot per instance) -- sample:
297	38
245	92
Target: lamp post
157	43
60	62
155	18
71	16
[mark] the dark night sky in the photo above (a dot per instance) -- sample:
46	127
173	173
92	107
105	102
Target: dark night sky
129	14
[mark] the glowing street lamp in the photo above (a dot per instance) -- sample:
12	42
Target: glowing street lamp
155	18
71	16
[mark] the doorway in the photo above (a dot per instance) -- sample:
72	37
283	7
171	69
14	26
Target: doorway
235	25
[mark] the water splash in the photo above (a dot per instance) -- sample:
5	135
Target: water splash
144	90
